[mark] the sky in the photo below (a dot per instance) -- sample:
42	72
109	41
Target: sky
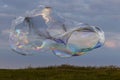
102	13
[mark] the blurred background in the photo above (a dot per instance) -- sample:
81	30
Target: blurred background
102	13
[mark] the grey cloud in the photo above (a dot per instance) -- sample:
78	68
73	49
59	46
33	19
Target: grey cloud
17	7
6	15
112	40
83	6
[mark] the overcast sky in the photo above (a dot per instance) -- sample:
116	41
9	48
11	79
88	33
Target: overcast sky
102	13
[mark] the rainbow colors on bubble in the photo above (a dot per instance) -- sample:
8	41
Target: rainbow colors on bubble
44	30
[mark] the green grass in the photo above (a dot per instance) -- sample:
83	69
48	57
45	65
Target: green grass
63	72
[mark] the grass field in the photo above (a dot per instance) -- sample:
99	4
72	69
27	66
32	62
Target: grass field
63	72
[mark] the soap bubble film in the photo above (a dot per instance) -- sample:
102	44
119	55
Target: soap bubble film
45	30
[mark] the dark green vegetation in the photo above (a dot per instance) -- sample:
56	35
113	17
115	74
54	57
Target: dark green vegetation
64	72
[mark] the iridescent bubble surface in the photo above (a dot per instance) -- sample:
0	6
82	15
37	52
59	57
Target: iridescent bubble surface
46	30
81	40
27	35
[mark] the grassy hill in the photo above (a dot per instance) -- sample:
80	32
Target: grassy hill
63	72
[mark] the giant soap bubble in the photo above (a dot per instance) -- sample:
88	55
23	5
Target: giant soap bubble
45	30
